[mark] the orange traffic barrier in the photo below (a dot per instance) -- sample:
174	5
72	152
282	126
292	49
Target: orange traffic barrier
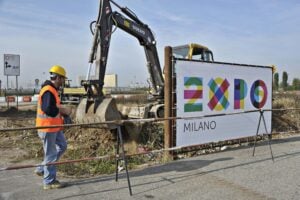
10	99
26	99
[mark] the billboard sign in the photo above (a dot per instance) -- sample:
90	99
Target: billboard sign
219	90
11	65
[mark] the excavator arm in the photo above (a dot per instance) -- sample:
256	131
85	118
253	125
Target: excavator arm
107	19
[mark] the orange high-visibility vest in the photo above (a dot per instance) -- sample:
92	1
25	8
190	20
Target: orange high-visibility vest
42	119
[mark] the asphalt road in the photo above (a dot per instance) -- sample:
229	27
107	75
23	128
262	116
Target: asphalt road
231	174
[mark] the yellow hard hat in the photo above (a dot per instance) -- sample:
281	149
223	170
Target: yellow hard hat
56	69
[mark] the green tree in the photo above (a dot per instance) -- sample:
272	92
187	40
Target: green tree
296	84
284	80
276	81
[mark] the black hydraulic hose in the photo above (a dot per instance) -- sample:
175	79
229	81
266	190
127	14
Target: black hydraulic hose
129	13
91	27
116	4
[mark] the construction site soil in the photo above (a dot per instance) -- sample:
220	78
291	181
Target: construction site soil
24	146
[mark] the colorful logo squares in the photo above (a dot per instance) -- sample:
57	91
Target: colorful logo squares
193	93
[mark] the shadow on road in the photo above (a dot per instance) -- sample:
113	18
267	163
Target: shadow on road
190	166
176	166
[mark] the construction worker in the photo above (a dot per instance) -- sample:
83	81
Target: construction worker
51	112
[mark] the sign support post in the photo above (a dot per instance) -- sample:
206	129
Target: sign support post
17	88
261	117
6	91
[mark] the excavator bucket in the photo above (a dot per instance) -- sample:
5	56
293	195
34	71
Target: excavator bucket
106	111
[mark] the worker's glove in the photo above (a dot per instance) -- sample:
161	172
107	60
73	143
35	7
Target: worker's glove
67	119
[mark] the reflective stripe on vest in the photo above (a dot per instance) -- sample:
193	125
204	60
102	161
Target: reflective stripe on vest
42	119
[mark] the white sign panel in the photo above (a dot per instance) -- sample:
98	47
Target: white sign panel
221	89
11	65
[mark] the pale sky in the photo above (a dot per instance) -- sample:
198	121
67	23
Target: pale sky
48	32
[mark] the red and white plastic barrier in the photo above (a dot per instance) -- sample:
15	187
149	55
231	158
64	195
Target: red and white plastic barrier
13	99
10	99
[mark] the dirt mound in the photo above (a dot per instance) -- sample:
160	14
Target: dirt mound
90	141
29	112
286	120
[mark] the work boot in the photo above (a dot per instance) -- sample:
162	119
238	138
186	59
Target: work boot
54	185
39	173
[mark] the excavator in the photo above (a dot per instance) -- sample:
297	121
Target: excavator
96	106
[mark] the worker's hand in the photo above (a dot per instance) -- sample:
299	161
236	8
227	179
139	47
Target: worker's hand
63	110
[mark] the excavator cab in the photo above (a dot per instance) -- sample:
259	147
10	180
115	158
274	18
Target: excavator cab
193	52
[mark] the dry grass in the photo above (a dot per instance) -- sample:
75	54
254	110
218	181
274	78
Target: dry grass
288	120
